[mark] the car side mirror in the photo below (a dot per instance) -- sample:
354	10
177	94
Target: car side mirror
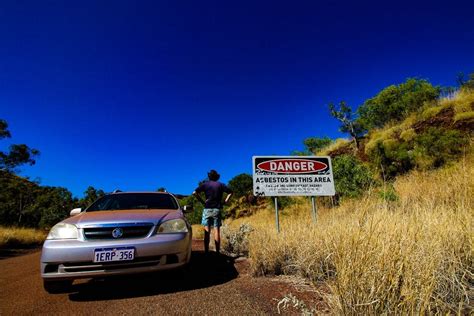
75	211
188	209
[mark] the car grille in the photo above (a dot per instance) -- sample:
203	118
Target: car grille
109	266
135	231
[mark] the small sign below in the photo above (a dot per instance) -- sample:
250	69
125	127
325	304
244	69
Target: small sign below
292	176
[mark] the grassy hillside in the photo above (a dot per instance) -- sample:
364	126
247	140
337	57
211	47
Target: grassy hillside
455	113
412	255
406	245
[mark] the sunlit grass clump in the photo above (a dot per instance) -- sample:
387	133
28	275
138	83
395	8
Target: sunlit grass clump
198	231
21	237
408	255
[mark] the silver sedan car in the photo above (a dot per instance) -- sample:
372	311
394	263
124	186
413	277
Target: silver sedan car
120	233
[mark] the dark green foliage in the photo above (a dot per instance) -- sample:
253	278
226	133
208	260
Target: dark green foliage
25	203
241	185
313	145
388	194
90	196
349	124
54	205
195	216
351	177
392	158
16	197
438	146
466	83
283	202
4	132
18	154
395	102
430	149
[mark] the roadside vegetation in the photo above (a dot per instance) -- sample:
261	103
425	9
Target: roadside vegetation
398	236
14	237
404	255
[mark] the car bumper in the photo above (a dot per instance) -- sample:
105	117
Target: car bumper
73	259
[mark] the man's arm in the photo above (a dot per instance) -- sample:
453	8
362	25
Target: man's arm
229	193
227	198
199	198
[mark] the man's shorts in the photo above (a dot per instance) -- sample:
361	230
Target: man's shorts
211	217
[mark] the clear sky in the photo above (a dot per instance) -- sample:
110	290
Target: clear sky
142	94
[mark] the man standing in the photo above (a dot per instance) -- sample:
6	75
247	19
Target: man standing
211	215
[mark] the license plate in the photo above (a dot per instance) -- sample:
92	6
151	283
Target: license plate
114	254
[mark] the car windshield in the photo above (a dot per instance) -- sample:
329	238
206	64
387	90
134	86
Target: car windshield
131	201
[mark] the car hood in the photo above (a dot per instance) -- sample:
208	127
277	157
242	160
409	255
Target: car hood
85	219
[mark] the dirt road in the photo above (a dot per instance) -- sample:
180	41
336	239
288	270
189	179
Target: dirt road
213	285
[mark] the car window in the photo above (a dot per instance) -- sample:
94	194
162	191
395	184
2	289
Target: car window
131	201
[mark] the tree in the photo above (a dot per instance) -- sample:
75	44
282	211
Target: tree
396	102
195	216
241	185
53	204
4	132
90	196
348	123
17	155
313	145
466	83
16	196
25	203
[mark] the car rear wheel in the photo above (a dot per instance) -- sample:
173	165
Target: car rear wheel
55	287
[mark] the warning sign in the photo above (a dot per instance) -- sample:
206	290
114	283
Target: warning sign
292	176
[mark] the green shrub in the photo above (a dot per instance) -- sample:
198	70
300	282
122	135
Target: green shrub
241	185
283	202
235	242
395	102
430	149
351	177
436	146
195	216
392	157
388	194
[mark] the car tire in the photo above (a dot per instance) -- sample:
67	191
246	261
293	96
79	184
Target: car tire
56	287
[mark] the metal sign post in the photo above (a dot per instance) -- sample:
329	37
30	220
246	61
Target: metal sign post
276	215
314	207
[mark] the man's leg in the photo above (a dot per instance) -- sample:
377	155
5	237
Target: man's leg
207	231
217	238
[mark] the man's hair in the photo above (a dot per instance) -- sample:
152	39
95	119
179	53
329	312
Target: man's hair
213	175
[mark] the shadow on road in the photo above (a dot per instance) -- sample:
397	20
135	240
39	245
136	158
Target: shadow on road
6	253
203	271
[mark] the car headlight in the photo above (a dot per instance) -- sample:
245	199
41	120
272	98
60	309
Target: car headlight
172	226
63	231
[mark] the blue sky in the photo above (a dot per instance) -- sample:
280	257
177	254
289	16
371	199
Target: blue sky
142	94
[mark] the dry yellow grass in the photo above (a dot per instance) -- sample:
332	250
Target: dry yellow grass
21	237
411	256
462	102
198	231
337	144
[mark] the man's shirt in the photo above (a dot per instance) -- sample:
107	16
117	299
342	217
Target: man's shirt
213	191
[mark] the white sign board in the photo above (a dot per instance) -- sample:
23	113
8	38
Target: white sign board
292	176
